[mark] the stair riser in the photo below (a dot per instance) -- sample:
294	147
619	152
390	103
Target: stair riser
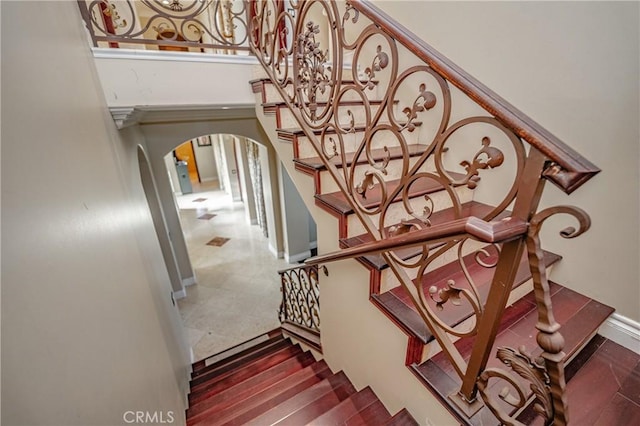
396	211
218	385
240	415
352	141
285	118
271	94
232	395
394	171
226	363
214	372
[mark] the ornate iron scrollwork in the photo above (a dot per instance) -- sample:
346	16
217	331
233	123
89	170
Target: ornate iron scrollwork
354	84
214	24
301	296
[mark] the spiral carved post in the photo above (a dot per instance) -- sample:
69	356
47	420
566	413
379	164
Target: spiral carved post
549	337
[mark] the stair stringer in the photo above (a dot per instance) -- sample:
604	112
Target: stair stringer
356	337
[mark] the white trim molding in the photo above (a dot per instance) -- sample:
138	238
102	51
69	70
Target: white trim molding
180	294
157	55
188	281
622	330
274	251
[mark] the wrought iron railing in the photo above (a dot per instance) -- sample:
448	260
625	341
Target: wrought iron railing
213	26
300	306
467	133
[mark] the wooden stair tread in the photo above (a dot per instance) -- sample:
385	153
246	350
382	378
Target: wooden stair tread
267	80
615	372
578	315
347	408
472	208
270	107
210	388
198	367
374	414
288	134
244	389
337	204
283	386
315	163
398	306
239	358
332	384
226	368
266	398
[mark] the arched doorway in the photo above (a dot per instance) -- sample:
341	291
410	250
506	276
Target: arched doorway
237	291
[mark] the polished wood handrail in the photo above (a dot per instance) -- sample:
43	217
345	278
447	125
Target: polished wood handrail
497	231
576	169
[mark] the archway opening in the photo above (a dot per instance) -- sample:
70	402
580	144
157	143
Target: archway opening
225	217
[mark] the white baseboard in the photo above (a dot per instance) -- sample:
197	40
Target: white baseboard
298	257
211	179
313	244
275	252
622	330
180	294
188	281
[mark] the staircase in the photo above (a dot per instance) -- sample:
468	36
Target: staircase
276	382
459	269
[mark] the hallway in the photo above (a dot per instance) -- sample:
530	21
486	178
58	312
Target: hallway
237	294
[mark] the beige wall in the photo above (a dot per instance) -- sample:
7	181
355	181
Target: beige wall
88	327
573	67
168	78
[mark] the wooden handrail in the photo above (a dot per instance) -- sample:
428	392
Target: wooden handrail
489	232
576	169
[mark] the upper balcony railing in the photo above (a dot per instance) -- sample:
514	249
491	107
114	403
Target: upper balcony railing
208	26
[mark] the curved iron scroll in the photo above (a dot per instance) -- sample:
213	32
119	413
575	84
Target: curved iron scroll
361	88
301	296
212	24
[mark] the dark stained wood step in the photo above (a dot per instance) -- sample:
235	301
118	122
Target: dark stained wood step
246	388
397	305
314	166
606	390
333	384
258	85
578	315
376	261
271	396
276	108
321	405
347	408
374	414
246	355
234	364
315	163
336	202
208	389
